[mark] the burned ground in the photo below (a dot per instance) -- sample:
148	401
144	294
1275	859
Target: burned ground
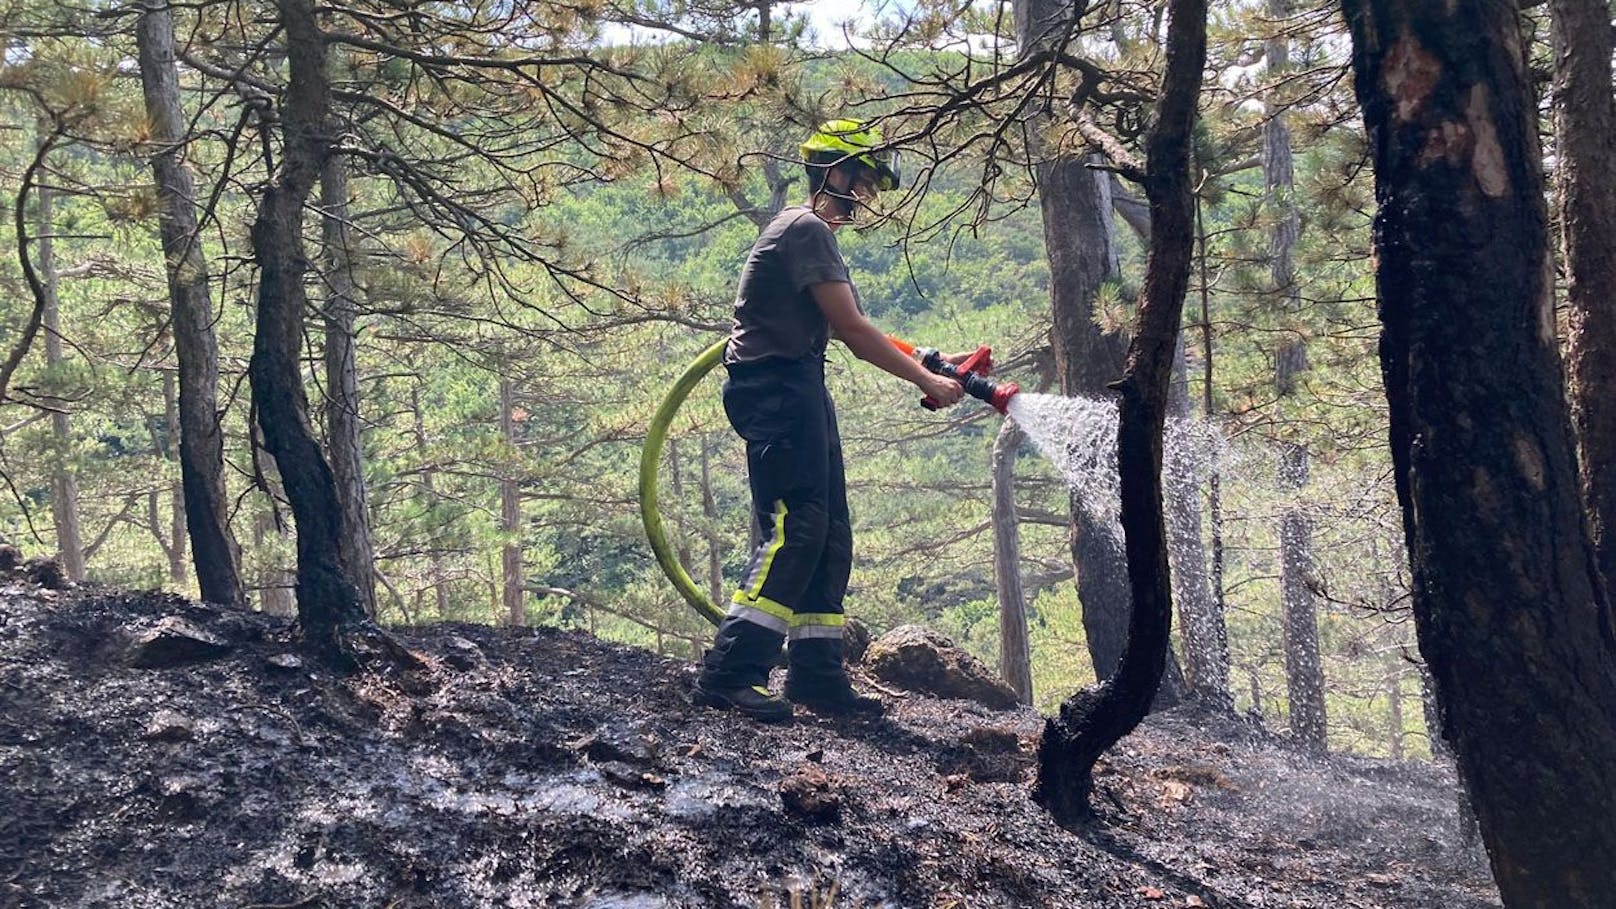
534	767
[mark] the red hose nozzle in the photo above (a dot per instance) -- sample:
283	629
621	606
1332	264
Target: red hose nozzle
1002	393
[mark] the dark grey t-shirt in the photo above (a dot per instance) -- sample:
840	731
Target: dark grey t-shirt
775	312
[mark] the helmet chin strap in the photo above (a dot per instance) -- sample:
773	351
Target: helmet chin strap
846	204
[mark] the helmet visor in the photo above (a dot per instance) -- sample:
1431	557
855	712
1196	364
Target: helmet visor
886	168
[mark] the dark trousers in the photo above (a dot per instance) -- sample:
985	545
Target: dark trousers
797	577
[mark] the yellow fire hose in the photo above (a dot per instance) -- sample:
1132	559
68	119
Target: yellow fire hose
650	459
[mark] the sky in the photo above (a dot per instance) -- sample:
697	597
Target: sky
827	17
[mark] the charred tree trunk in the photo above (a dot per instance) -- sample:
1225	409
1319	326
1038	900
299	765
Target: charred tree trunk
1092	721
64	482
326	599
1304	672
1586	124
510	512
214	551
1435	733
342	425
1015	660
1512	618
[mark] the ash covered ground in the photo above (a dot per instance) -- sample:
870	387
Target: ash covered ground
533	767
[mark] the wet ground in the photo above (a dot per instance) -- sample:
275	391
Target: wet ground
530	768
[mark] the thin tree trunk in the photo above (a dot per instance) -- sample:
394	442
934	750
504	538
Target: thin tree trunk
709	511
1204	635
1212	629
175	547
676	485
1015	659
1586	175
343	429
326	599
1091	721
1304	670
435	572
1394	707
64	482
1511	615
510	512
275	582
214	551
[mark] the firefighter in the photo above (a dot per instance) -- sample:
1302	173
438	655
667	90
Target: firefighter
795	294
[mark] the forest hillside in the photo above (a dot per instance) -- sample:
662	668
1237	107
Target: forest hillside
543	767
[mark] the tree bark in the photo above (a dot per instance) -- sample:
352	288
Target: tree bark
276	582
343	429
1394	707
1205	634
1304	672
1586	176
214	552
439	578
64	482
326	599
1512	618
709	511
510	512
174	547
1079	239
1093	720
1015	660
1435	735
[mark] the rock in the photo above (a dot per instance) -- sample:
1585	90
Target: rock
174	641
47	573
855	641
812	793
611	744
184	797
290	662
919	659
168	726
463	654
992	740
10	557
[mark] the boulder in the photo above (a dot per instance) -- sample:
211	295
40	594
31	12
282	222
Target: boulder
174	641
919	659
45	572
855	641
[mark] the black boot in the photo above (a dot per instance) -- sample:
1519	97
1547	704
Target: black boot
755	701
834	696
817	680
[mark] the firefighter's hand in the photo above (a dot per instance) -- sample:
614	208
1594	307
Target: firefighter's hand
958	358
943	390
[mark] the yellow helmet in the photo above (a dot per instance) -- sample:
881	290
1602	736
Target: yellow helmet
842	140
